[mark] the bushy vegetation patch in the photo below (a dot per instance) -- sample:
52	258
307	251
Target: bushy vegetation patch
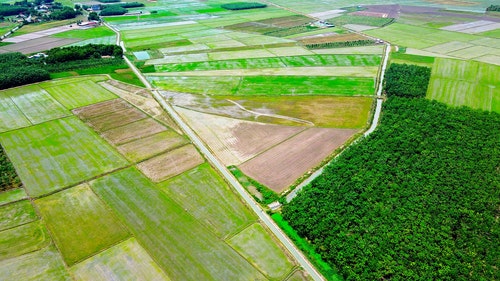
406	80
113	10
242	6
8	175
8	10
267	195
493	8
18	70
341	44
417	200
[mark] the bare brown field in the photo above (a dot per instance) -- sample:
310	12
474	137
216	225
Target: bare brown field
234	141
288	21
116	119
268	25
133	131
37	45
283	164
149	146
172	163
142	99
102	108
334	38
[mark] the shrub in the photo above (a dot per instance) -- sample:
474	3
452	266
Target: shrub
242	6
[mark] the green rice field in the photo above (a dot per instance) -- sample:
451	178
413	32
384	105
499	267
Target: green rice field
17	213
468	83
198	190
262	85
23	239
81	224
48	162
150	214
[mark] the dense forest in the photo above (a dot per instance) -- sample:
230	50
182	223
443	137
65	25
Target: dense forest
406	80
235	6
18	70
8	176
418	199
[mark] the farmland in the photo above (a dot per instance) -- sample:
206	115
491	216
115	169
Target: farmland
109	187
469	83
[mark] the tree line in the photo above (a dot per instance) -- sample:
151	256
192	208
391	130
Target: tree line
8	175
416	200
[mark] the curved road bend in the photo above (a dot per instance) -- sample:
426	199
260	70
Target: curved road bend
264	217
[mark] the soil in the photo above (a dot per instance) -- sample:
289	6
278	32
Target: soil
149	146
334	38
283	164
38	45
133	131
172	163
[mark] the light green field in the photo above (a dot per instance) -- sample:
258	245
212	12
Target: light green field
12	196
69	154
418	37
209	199
45	264
73	95
23	239
124	261
275	62
468	83
255	244
16	213
412	59
108	40
90	33
183	247
10	116
35	104
80	223
268	85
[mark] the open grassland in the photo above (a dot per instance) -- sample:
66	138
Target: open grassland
274	62
124	261
45	264
268	85
203	193
265	254
80	223
28	105
306	150
16	213
49	162
468	83
23	239
170	234
412	59
235	141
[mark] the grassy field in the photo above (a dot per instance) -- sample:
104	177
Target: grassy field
124	261
207	197
468	83
411	59
169	233
82	93
80	223
32	102
90	33
12	196
274	62
17	213
265	254
48	162
268	85
45	264
23	239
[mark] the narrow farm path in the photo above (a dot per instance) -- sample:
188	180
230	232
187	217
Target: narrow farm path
376	117
263	216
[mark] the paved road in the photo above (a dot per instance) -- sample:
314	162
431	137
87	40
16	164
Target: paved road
264	217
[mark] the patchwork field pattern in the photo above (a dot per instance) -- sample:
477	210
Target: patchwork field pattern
81	224
49	162
468	83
